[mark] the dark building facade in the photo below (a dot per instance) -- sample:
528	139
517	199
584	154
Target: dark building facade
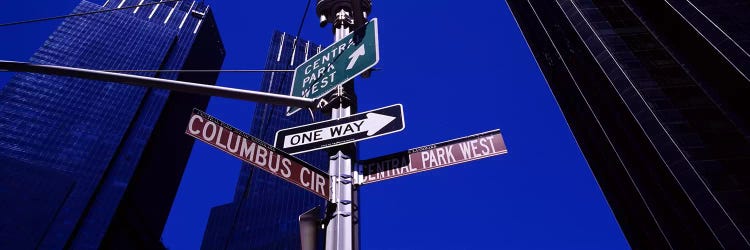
265	209
87	164
657	95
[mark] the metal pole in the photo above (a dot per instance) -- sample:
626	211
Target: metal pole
187	87
339	230
342	230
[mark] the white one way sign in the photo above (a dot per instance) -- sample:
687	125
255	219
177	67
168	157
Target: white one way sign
372	124
350	129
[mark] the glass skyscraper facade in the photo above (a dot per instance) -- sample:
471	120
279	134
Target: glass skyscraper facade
87	164
657	95
265	209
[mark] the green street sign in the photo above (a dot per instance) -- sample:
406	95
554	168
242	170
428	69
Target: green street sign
336	64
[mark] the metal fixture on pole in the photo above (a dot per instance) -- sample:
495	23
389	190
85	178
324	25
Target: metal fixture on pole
342	230
309	223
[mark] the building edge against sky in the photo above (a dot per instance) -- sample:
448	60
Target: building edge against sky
91	164
656	94
264	212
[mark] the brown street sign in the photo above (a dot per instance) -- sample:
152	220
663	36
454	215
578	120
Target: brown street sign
465	149
258	153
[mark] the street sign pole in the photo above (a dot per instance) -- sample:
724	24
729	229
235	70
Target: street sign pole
340	227
342	230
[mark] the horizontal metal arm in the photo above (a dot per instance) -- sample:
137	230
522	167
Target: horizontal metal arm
187	87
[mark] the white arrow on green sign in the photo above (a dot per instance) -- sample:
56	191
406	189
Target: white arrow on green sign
337	64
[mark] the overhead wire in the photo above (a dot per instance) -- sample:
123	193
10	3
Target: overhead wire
84	13
145	70
265	129
299	32
304	15
200	70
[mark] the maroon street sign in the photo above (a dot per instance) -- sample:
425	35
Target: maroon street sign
469	148
258	153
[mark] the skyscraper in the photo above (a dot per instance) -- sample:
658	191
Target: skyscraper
265	209
87	164
657	95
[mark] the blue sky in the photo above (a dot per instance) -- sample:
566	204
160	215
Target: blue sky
458	69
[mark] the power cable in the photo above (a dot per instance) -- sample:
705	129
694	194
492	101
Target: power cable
304	15
264	129
85	13
188	70
299	32
200	70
